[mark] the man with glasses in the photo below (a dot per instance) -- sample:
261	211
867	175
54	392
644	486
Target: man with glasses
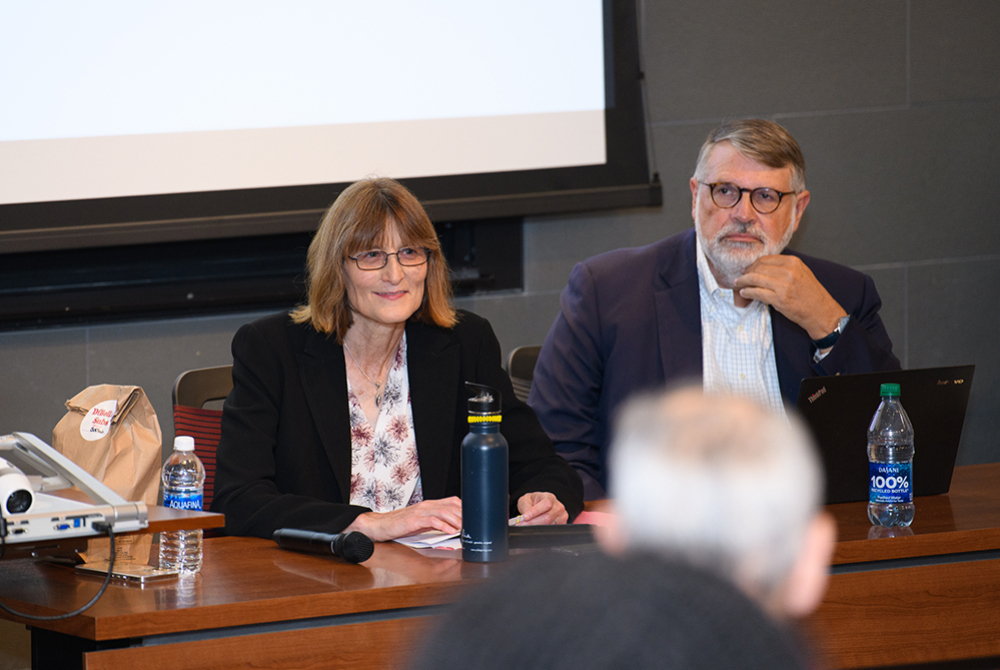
724	302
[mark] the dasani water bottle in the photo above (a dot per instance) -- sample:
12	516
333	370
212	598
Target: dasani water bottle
183	485
890	462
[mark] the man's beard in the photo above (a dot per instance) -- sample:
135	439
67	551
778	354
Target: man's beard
729	260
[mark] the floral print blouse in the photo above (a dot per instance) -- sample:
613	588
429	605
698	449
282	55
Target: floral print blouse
385	472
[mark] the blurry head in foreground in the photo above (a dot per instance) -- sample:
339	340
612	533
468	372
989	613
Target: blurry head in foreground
726	484
593	612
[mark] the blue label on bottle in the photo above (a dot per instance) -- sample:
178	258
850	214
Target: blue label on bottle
890	482
190	501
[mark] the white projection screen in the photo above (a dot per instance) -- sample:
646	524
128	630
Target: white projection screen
127	122
127	99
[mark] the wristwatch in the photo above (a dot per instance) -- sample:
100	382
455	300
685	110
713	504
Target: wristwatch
831	339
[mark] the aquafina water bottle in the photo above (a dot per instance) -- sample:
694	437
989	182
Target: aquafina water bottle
890	462
183	486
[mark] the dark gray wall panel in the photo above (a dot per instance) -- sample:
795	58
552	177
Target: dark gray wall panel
953	319
41	371
954	50
719	58
517	323
901	185
553	245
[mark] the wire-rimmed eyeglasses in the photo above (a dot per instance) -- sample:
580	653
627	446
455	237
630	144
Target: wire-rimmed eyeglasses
727	195
376	259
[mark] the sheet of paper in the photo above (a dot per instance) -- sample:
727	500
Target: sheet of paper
433	539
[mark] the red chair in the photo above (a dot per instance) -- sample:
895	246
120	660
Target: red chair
192	390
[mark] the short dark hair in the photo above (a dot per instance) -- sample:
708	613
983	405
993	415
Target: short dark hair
760	140
359	220
592	612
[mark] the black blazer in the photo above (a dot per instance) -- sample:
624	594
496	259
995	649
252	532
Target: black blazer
284	457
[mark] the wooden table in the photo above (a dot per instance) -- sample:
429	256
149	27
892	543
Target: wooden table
250	602
938	588
929	596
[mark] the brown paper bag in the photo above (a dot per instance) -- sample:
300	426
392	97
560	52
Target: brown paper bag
112	433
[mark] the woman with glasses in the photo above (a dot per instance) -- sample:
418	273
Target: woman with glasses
349	413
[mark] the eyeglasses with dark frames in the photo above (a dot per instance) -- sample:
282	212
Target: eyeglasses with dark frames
376	259
764	200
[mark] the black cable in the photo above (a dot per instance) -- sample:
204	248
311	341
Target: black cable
97	525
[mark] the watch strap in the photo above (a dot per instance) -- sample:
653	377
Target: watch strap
832	338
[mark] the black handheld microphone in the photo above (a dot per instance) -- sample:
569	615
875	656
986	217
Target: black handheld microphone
353	547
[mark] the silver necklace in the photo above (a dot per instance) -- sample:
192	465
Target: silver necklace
377	385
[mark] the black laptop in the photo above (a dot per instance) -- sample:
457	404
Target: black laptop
839	410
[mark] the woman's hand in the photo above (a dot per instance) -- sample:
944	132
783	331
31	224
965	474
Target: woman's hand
541	508
444	515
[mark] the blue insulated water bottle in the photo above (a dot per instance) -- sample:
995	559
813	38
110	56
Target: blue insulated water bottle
484	480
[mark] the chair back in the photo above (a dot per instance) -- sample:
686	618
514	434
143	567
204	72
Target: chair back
192	390
521	368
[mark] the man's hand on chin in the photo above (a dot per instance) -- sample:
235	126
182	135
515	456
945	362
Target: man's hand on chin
788	285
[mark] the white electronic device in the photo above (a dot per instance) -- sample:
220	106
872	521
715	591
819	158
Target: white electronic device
38	523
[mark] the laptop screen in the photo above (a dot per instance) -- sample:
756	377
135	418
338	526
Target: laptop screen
839	410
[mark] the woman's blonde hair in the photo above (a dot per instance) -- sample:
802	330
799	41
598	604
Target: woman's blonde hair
360	220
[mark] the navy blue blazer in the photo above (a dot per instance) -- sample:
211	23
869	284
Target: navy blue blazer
630	320
284	457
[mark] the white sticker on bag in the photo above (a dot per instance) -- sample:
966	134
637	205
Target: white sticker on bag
97	423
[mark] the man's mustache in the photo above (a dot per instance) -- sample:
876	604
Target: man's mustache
741	229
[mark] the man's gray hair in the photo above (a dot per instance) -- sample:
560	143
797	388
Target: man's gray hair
720	481
760	140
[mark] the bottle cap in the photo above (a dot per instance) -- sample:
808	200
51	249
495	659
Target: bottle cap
890	390
486	400
183	443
